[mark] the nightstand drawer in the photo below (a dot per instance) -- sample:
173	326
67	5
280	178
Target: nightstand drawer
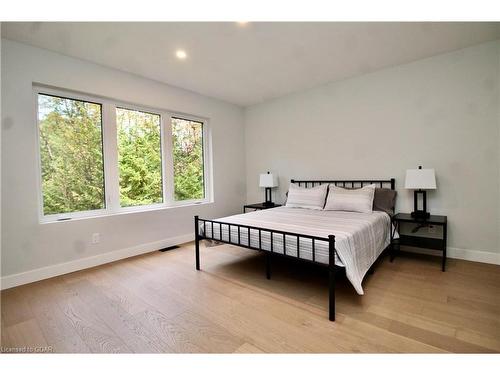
424	242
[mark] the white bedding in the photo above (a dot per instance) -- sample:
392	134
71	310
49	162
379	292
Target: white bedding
359	237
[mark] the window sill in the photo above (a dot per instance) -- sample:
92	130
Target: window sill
126	211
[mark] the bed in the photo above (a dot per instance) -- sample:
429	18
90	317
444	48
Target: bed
334	239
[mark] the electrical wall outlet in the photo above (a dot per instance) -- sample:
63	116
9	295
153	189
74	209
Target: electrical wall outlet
96	238
432	229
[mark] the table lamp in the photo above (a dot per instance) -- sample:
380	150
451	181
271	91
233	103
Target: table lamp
268	181
420	180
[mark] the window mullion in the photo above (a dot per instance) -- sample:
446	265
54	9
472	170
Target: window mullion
207	162
111	170
168	159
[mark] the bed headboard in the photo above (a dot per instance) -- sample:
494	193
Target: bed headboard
391	183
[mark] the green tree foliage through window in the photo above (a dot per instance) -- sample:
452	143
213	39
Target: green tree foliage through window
71	140
71	155
188	159
139	157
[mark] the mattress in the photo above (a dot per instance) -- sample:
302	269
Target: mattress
359	237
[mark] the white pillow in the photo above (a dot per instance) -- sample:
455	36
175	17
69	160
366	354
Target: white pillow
357	200
312	198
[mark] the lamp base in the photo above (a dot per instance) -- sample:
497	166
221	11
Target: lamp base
420	215
268	202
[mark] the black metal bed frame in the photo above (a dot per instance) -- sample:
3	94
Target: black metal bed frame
330	240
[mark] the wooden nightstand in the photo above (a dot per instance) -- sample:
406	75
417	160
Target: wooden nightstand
258	206
430	233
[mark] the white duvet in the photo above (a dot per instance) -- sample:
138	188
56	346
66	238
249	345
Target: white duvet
359	237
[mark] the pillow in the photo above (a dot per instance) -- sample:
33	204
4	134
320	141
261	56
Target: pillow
312	198
357	200
384	200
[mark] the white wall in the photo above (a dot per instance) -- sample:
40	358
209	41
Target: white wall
28	245
0	153
441	112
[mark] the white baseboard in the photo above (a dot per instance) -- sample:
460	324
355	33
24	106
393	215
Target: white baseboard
96	260
474	255
464	254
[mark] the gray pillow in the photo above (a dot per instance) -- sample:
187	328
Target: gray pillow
384	200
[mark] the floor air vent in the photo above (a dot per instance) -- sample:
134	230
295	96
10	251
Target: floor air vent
169	248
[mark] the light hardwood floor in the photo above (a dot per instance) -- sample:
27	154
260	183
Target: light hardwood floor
159	303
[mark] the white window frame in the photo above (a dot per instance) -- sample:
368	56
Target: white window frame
207	160
110	157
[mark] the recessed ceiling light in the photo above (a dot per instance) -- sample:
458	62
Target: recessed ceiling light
181	54
242	23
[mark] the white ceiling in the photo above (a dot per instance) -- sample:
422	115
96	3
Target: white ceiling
252	63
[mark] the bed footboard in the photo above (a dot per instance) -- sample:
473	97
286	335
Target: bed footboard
294	242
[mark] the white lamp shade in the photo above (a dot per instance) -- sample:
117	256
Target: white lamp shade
420	179
268	180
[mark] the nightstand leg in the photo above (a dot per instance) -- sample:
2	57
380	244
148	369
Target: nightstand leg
392	250
391	253
443	265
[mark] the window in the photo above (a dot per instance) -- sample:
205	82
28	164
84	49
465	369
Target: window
71	155
100	157
139	157
187	139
